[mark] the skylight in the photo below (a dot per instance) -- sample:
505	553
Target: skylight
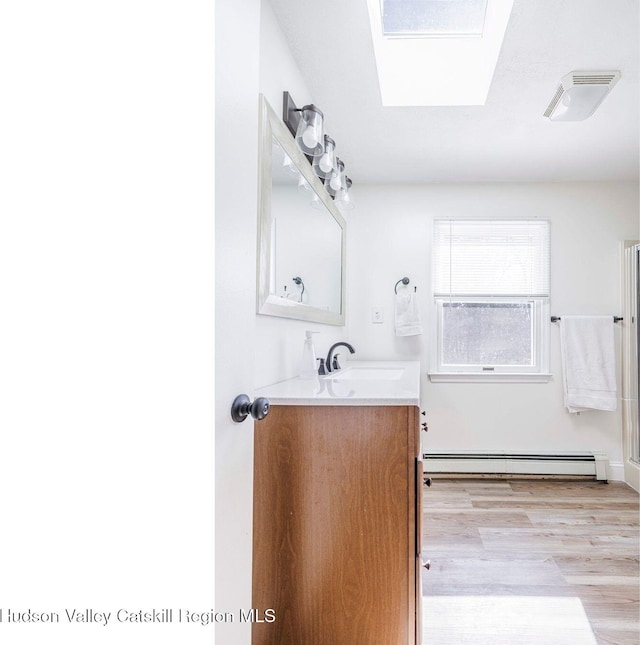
421	66
433	17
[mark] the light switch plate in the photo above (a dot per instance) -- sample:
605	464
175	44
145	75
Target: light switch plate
377	315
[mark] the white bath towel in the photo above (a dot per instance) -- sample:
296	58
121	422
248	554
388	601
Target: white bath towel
588	363
407	315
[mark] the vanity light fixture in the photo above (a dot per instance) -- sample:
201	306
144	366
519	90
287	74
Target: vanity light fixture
307	126
333	181
580	94
343	199
310	132
325	163
336	182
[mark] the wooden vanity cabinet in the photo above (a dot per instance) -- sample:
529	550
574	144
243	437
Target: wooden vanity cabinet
335	525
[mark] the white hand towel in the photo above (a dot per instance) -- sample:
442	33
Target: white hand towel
407	315
588	363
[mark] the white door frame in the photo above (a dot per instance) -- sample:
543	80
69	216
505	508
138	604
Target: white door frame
630	421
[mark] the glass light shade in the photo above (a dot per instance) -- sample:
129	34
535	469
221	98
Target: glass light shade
325	163
310	133
287	164
303	184
317	203
343	199
335	181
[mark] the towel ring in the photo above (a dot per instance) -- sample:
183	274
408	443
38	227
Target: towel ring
299	282
404	281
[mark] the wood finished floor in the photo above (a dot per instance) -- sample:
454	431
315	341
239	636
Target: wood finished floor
538	562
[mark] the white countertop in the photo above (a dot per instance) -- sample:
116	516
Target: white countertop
358	383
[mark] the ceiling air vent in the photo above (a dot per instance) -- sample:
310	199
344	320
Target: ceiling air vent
579	94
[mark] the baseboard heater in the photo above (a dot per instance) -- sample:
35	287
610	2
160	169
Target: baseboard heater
569	464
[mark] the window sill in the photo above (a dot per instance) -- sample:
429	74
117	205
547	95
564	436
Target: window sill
484	377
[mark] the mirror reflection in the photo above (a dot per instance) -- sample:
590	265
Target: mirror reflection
306	239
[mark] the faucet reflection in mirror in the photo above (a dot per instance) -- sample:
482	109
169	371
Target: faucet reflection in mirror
307	125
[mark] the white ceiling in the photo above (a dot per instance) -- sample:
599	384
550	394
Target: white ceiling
507	139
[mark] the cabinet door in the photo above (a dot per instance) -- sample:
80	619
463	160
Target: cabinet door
334	525
418	559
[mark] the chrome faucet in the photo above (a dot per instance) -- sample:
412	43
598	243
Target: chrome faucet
332	365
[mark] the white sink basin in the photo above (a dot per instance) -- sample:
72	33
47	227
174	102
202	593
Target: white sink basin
357	383
368	374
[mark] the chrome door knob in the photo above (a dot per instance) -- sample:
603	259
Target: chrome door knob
242	407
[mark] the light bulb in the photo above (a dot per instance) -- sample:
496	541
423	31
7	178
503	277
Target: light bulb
335	182
343	201
309	138
310	132
325	163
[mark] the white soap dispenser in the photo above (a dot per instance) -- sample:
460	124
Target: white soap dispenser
308	367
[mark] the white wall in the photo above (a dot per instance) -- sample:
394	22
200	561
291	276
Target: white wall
390	237
279	341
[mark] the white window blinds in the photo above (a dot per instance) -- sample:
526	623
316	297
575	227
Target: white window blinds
491	258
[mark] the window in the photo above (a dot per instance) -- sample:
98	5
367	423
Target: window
437	52
491	300
433	17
